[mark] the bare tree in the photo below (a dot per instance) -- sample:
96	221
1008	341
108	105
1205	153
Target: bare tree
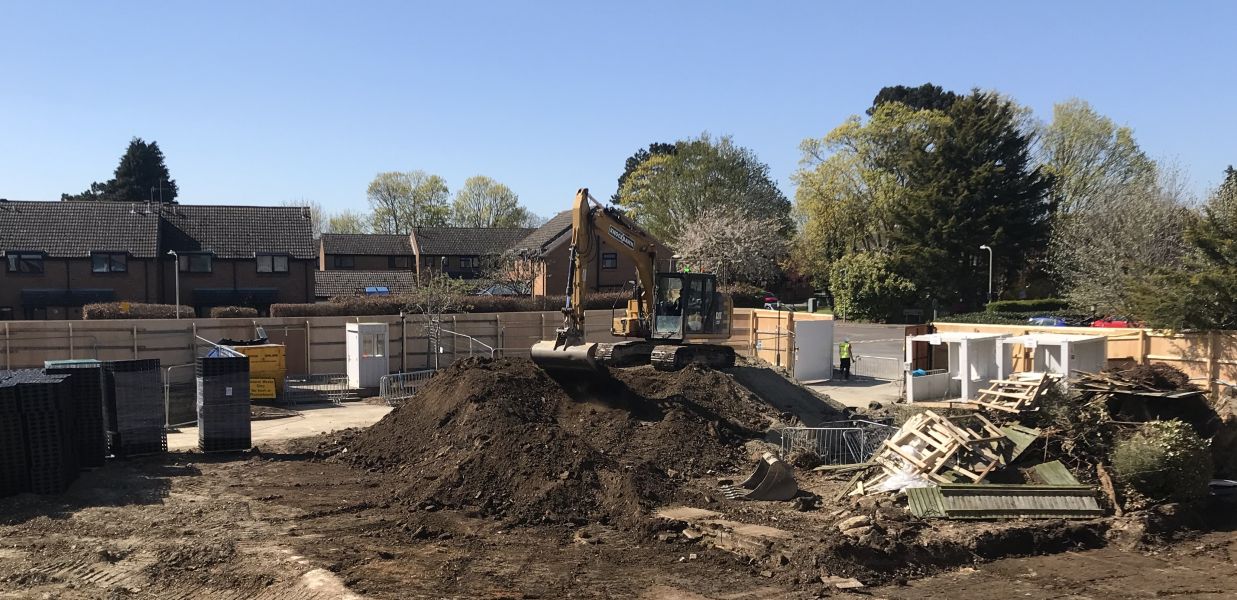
737	247
317	217
436	295
1119	237
513	270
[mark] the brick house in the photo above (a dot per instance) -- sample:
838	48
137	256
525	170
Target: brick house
238	255
462	252
60	256
366	252
547	248
331	284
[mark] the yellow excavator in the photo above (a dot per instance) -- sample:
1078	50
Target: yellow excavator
669	320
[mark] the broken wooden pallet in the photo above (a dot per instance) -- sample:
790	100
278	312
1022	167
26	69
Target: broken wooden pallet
941	450
1013	395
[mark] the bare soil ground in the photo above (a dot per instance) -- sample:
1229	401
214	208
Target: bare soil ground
397	516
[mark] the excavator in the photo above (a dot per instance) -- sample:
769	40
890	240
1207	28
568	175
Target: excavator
669	321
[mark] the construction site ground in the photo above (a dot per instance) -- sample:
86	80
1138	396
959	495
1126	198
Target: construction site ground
307	519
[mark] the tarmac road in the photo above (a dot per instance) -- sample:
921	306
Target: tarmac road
872	339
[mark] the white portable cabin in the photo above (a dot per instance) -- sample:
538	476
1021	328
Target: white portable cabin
1054	353
368	347
972	364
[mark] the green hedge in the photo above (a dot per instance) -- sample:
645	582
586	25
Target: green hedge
1036	305
233	312
361	306
136	310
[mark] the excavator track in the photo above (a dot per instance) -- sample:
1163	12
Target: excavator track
672	357
630	353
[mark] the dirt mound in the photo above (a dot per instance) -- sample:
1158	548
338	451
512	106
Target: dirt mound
1158	376
502	439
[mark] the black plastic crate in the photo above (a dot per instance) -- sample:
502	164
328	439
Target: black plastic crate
86	397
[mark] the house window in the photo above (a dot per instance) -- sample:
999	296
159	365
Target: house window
25	262
272	263
195	263
345	262
399	262
109	262
432	261
470	262
609	260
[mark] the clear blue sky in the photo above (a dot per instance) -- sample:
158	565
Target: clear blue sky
264	102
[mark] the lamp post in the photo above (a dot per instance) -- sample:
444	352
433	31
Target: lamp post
176	270
989	249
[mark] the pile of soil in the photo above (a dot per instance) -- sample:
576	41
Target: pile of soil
1158	376
502	439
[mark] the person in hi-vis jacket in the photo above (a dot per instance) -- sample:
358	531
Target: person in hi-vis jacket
844	358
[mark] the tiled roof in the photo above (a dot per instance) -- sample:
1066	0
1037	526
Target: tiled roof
468	241
380	244
75	229
238	231
328	284
543	236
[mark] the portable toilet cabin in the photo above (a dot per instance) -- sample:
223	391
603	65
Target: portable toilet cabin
1052	353
368	347
972	364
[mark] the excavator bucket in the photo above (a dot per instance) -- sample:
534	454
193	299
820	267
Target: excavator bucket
553	357
773	480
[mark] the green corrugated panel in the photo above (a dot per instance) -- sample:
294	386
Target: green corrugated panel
984	501
1054	473
925	502
1022	438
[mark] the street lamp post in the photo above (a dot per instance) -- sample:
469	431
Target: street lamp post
989	249
176	270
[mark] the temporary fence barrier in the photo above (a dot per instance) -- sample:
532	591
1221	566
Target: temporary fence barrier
876	367
324	387
837	443
397	388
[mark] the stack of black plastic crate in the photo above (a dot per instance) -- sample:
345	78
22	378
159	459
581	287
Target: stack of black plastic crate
14	472
46	414
135	414
86	393
223	403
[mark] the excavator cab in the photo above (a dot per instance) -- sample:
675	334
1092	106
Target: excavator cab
688	306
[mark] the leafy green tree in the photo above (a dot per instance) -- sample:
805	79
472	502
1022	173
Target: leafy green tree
976	185
483	202
402	201
1090	157
924	97
1202	292
666	192
924	187
851	182
347	222
635	160
865	286
141	176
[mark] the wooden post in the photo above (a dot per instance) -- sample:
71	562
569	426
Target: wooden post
790	342
1213	363
135	342
1143	342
